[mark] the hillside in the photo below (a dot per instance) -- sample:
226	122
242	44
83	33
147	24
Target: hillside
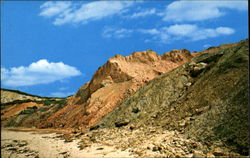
27	110
8	96
205	99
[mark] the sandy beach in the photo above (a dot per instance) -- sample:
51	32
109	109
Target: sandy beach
19	144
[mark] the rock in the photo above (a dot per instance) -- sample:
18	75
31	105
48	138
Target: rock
79	134
94	127
192	63
82	146
182	123
189	156
132	127
68	140
99	148
135	110
74	132
156	148
192	118
193	145
12	149
21	144
218	152
188	84
210	155
8	145
65	152
198	154
200	110
178	155
197	69
121	123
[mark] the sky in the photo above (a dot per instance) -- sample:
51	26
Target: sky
51	48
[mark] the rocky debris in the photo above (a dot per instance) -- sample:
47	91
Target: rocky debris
198	154
210	155
18	147
121	123
219	152
94	127
196	69
84	144
218	85
183	123
144	142
63	153
68	140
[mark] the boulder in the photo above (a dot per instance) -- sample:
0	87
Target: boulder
121	123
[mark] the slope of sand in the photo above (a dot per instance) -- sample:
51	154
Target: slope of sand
16	144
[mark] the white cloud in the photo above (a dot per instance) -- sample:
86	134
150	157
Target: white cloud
149	31
40	72
61	94
116	33
224	30
181	30
186	32
143	13
71	13
49	9
200	10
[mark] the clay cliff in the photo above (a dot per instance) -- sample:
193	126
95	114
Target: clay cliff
116	80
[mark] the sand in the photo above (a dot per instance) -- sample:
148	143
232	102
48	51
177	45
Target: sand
18	144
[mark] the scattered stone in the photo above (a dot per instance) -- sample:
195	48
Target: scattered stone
99	148
197	69
182	123
79	134
189	156
74	132
178	155
65	152
218	152
135	110
94	127
68	140
198	154
156	148
12	149
188	84
210	155
21	144
192	63
121	123
8	145
132	127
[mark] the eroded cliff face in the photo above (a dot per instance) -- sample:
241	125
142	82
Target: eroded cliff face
116	80
205	99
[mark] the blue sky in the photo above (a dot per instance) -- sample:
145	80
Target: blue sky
53	48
